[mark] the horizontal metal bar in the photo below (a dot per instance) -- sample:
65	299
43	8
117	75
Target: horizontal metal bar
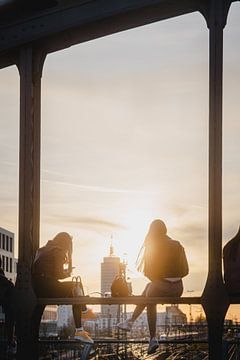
119	300
123	341
65	26
135	300
170	341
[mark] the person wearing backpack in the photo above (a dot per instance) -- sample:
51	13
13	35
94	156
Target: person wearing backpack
231	264
52	263
163	261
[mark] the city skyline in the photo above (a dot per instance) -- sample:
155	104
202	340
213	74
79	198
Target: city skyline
100	179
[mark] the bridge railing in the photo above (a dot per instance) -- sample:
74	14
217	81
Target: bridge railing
131	300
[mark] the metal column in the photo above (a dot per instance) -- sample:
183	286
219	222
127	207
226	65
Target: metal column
29	175
215	310
30	69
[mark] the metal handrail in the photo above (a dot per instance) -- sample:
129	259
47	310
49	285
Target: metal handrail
119	300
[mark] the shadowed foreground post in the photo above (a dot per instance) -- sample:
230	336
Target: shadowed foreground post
215	310
30	70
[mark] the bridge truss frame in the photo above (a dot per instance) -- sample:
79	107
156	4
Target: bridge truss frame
25	41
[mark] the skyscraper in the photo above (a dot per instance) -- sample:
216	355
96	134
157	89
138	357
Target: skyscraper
110	267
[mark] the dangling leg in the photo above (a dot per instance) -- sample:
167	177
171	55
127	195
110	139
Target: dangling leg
155	289
152	319
137	311
77	315
77	309
127	325
139	308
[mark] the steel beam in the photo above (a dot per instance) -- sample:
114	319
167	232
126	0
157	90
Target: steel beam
30	69
215	289
57	29
136	300
85	20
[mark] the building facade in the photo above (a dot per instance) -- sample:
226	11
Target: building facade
48	326
65	316
175	316
9	262
110	268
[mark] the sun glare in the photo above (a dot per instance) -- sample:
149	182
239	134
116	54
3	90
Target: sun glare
128	242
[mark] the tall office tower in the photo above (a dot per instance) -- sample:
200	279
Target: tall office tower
9	263
110	267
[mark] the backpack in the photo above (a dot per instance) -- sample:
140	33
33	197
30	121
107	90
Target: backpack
167	261
119	287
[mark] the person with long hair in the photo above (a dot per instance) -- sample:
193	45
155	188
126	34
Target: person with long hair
231	264
163	261
52	263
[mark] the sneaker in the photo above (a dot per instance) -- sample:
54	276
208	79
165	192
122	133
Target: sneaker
11	349
83	336
125	325
88	315
153	345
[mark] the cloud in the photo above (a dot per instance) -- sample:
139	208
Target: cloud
96	188
9	163
89	222
193	231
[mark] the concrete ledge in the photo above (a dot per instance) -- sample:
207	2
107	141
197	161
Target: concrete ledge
119	300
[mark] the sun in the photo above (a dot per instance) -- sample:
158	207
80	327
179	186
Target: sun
128	242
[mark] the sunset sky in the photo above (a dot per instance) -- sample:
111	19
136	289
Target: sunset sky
125	141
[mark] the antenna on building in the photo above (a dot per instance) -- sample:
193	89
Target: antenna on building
125	262
111	252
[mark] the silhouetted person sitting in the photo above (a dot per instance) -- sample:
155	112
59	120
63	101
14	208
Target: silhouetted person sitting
52	263
163	261
6	293
231	263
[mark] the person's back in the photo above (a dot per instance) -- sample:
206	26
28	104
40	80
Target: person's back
167	260
52	263
164	262
231	262
49	262
48	265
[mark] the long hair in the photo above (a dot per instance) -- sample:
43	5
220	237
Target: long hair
157	231
62	241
